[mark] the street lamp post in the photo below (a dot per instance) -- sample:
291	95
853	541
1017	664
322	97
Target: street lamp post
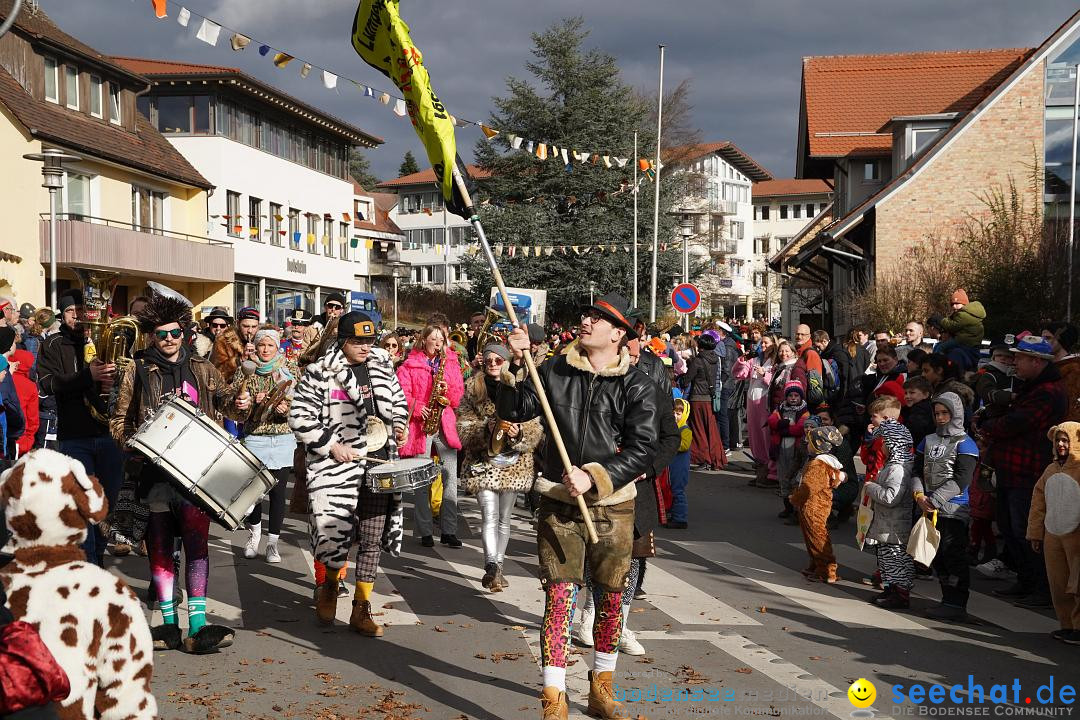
592	289
52	174
395	267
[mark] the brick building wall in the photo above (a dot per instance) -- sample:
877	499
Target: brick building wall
1005	142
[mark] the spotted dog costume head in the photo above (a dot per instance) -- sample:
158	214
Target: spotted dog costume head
89	619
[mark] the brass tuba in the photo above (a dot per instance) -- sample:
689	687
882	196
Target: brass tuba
111	341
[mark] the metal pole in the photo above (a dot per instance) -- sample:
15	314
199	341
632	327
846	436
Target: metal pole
635	219
1072	194
396	325
686	272
52	249
656	199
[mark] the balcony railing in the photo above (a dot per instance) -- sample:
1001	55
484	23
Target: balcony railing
86	241
713	206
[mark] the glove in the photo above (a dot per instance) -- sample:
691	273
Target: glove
783	425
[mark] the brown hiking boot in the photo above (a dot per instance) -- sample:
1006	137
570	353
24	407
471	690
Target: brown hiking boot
361	621
326	596
602	702
553	704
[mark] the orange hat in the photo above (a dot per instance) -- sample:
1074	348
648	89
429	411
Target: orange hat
657	346
960	296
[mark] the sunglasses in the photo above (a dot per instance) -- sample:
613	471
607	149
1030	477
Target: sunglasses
219	325
392	345
334	306
175	333
494	360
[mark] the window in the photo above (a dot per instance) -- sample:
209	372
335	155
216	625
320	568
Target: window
97	98
294	228
809	210
737	227
796	211
232	213
761	245
75	196
343	240
764	212
312	233
275	224
922	138
147	209
760	279
114	103
52	80
71	87
783	212
872	171
142	105
255	218
328	237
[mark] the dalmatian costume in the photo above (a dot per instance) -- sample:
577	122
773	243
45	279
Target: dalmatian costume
89	619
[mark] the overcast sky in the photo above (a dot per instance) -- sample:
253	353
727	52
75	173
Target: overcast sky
744	58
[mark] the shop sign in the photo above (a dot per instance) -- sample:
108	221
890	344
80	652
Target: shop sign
296	266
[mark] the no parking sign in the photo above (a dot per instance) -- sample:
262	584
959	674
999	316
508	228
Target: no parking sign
685	298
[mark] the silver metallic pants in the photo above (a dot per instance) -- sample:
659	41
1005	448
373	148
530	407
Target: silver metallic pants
495	509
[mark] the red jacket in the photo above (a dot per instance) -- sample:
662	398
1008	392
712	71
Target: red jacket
27	390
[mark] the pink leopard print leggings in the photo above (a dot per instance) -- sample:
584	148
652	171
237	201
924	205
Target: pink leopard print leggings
560	599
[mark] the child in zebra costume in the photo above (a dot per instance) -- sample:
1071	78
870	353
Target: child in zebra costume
337	394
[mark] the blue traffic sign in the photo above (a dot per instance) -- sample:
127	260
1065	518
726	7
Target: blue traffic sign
685	298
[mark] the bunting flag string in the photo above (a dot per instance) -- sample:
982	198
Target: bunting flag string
209	31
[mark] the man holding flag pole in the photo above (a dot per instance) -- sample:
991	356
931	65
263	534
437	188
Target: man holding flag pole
604	405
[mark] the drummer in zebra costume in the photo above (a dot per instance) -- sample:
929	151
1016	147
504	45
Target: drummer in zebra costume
336	399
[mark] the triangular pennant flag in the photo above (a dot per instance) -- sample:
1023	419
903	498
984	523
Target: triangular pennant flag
305	70
369	92
438	249
208	32
642	164
184	17
488	132
565	159
498	250
399	108
454	121
369	244
512	250
160	8
554	152
385	98
622	161
548	251
607	161
626	248
427	210
529	147
346	217
576	249
239	42
541	151
515	142
329	80
264	49
282	59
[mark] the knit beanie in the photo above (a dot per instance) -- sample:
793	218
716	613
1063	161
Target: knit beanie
497	349
960	296
795	386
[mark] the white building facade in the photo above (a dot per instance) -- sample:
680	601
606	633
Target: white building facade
783	209
283	195
719	211
435	239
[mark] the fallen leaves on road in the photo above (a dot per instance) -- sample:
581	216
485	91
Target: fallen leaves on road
646	661
690	676
637	610
762	609
744	670
500	656
440	628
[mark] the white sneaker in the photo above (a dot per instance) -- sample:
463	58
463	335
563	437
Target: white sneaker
583	629
251	549
995	569
628	643
272	554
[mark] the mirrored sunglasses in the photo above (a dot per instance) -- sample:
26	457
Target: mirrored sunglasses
175	333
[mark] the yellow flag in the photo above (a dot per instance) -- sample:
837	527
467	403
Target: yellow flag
382	39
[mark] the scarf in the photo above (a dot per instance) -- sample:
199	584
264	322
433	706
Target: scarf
272	365
492	385
174	373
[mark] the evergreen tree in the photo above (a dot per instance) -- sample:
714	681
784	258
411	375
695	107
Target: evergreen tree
408	165
575	100
360	169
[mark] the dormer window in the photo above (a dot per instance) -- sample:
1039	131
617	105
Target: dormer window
52	80
71	86
97	99
922	138
114	103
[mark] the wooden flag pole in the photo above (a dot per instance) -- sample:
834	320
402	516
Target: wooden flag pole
533	375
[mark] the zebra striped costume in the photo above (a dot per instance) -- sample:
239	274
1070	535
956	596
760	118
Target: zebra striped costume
328	407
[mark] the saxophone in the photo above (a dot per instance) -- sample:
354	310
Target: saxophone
436	402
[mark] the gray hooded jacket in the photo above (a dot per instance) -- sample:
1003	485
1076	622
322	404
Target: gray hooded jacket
945	462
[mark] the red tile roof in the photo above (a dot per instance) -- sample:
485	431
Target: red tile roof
384	202
848	99
728	150
161	69
427	177
791	186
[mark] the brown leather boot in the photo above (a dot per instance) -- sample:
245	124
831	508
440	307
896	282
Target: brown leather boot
602	702
326	601
553	704
361	620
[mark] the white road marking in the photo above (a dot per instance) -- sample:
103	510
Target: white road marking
688	604
981	606
832	700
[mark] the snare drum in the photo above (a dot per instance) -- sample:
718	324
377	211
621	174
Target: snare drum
403	475
206	463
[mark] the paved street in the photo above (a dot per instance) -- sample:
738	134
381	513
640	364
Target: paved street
727	612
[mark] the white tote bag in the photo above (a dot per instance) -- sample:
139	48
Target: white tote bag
923	544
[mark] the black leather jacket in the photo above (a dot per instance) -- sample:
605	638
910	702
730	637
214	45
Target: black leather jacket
607	418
